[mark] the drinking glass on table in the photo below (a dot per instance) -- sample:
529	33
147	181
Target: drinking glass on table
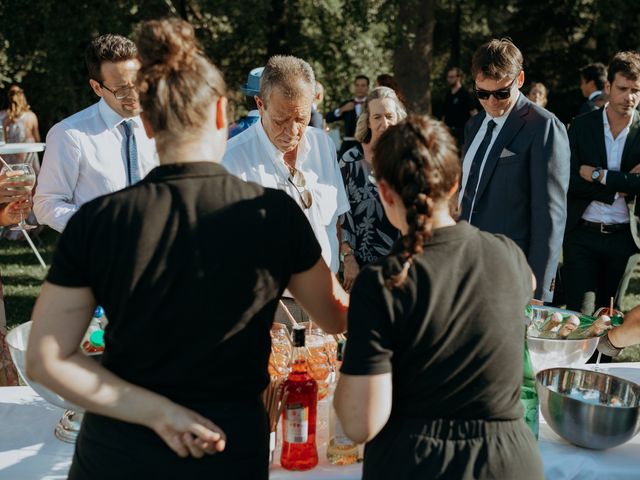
19	178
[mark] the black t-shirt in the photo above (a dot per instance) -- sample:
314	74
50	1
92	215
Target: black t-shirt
453	335
189	265
457	107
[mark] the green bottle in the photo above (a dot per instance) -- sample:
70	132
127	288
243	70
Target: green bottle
529	395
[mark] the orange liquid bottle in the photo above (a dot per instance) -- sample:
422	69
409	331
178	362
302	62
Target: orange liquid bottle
299	450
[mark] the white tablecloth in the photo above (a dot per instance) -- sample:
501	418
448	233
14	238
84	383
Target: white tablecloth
30	451
10	148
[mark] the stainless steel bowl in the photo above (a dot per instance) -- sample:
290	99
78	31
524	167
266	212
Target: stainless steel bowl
548	353
577	406
17	339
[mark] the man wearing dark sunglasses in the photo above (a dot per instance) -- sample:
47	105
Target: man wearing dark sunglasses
515	169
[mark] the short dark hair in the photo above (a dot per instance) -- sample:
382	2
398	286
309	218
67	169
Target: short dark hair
458	72
497	59
362	77
626	64
108	48
596	73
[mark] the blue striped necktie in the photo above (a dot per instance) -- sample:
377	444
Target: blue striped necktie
133	172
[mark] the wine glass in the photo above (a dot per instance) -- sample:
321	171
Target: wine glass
21	182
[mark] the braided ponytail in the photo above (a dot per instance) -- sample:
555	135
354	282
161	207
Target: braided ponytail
419	160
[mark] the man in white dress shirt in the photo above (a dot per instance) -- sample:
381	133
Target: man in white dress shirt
605	177
281	151
102	148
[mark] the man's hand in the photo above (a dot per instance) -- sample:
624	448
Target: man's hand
635	169
7	195
586	171
347	107
351	270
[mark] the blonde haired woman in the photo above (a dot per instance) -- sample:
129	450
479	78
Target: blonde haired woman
366	233
20	126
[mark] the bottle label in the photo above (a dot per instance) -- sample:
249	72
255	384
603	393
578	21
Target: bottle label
296	423
340	438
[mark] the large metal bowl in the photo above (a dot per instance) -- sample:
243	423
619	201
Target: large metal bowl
548	353
17	339
577	406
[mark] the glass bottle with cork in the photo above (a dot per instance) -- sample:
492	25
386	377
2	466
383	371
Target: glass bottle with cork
300	392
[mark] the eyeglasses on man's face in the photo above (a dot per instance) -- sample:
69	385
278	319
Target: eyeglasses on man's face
298	181
500	94
119	93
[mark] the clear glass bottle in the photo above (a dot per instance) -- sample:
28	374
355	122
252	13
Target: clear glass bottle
300	394
341	450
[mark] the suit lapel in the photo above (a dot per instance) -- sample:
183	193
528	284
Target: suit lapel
475	126
596	137
511	127
629	161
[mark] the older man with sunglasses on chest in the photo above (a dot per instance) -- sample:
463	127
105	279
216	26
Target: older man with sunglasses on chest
281	152
102	148
515	170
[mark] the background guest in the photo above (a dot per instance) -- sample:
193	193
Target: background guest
433	362
538	94
20	126
316	117
366	232
250	90
386	80
592	80
459	105
349	111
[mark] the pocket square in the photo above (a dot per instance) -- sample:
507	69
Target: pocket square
506	153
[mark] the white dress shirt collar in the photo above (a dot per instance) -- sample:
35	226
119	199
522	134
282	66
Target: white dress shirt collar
594	94
276	156
112	119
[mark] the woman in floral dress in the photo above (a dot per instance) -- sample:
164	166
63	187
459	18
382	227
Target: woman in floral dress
366	234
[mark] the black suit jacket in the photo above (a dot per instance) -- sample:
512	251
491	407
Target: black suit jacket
586	137
350	119
522	191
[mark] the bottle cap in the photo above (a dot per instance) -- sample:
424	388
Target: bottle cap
298	336
99	313
97	338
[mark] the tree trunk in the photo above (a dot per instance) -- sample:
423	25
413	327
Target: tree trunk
455	34
414	51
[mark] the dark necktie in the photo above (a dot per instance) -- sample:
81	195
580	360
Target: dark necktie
474	173
133	172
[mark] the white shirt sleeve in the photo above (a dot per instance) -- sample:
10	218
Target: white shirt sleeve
52	202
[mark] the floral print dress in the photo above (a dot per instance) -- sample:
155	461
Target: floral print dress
365	226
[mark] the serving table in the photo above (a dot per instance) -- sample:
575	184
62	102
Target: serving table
29	450
11	148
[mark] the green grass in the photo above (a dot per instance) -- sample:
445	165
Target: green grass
22	277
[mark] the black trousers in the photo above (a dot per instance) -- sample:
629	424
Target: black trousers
594	264
108	449
439	449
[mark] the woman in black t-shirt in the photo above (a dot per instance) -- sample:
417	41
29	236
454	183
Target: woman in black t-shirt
433	365
189	265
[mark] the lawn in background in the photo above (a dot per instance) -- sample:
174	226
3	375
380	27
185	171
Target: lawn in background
22	277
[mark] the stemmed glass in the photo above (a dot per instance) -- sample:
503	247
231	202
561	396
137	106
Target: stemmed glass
22	182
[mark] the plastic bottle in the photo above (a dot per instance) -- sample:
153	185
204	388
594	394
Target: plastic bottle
300	395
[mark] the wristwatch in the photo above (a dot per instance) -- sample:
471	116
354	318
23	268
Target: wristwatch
345	255
595	175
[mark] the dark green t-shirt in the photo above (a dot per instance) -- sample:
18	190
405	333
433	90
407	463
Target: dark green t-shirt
452	336
189	265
